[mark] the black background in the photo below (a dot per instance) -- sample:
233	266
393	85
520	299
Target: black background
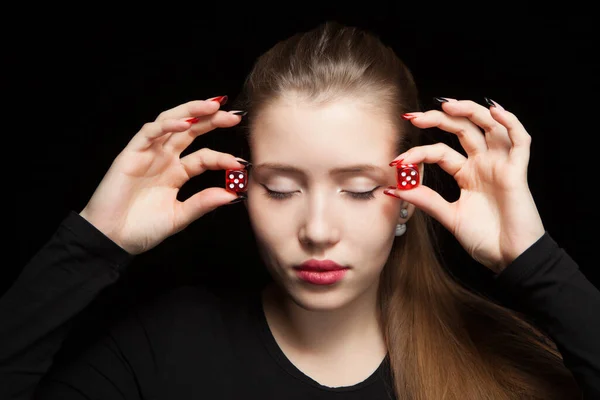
85	81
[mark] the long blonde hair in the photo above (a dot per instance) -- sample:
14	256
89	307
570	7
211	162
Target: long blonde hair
444	341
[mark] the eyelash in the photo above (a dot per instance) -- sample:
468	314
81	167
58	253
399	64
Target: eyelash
358	196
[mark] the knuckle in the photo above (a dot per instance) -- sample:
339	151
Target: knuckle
165	124
470	104
147	126
193	107
204	152
192	103
435	113
440	147
435	116
470	113
203	157
494	129
212	123
461	131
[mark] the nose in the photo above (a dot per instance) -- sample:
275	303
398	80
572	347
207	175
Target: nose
319	228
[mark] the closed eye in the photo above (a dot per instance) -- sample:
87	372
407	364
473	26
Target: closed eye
363	195
355	195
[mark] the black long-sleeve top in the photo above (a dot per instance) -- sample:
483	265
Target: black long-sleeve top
191	343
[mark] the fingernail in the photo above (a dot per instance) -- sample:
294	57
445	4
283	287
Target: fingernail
239	112
238	199
390	192
412	115
220	99
396	162
441	99
243	162
193	120
492	103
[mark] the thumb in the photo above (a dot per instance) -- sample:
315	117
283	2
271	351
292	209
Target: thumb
204	202
428	200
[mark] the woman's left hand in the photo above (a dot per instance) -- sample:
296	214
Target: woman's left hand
495	218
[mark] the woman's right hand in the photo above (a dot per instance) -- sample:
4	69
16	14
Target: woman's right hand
136	204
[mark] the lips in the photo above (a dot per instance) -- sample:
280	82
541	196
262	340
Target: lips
320	266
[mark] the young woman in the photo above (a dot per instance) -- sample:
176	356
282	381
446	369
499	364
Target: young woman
359	306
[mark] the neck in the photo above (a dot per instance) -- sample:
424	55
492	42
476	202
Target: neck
326	333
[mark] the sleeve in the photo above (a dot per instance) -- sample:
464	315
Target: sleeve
135	354
119	365
36	312
546	284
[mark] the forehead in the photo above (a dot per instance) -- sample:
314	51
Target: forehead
344	130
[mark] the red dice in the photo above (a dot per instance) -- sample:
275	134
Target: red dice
407	176
236	180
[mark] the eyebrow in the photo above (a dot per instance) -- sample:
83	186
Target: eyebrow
349	169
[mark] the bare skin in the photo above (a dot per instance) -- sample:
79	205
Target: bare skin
135	204
492	180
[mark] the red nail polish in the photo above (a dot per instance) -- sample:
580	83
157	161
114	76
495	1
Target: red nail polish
220	99
392	194
192	120
236	180
407	176
408	116
396	162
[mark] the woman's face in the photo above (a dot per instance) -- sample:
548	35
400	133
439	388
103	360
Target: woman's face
316	192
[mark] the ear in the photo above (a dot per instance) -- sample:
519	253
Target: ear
409	206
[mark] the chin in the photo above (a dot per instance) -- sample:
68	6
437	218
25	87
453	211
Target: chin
324	298
319	298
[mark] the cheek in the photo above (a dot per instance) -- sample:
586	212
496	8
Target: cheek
269	223
371	223
373	238
373	231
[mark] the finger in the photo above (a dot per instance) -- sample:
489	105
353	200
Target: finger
221	119
195	108
441	154
151	131
206	159
520	138
429	201
201	203
469	134
496	133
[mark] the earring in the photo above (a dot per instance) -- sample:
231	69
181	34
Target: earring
400	229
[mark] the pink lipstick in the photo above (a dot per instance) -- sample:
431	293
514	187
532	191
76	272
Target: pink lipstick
321	272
